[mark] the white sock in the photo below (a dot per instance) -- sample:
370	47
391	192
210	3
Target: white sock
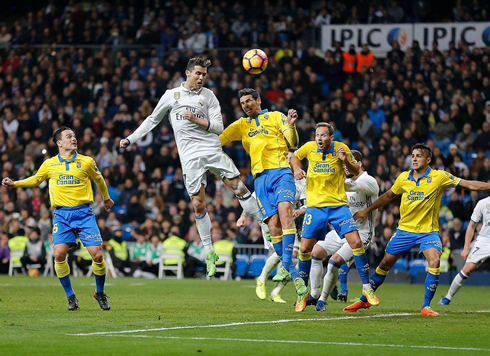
249	204
203	224
316	273
270	264
457	283
329	281
278	287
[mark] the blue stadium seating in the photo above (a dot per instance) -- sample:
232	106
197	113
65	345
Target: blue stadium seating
401	264
241	264
257	262
127	228
417	265
325	89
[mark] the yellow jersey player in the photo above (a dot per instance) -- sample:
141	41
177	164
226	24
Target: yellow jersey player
327	202
71	194
421	191
265	136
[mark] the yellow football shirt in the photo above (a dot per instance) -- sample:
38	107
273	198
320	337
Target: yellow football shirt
264	139
421	199
326	174
69	180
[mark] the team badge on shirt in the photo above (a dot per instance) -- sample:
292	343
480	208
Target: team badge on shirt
200	102
79	164
429	179
487	206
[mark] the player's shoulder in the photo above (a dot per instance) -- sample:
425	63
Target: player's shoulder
483	203
207	93
367	177
403	176
310	145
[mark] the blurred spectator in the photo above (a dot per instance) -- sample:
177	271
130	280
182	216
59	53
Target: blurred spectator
35	252
4	253
456	235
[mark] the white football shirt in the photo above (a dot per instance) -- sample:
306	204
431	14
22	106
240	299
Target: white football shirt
481	213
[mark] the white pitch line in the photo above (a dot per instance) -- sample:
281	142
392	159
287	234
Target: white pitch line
244	323
308	342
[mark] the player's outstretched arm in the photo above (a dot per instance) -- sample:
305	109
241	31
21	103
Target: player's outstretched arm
7	182
470	232
40	176
383	200
474	185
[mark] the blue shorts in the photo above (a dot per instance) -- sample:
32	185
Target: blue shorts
273	186
403	241
315	222
72	222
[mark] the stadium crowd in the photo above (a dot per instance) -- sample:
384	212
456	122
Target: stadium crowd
380	106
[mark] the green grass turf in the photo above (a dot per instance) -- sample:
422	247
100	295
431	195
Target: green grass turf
34	320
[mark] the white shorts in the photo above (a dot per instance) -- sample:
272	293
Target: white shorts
195	170
334	244
480	252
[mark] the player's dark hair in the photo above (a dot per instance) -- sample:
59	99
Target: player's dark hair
199	62
248	91
327	125
357	155
424	148
57	134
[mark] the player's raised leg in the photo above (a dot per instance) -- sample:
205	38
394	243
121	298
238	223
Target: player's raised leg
269	266
62	270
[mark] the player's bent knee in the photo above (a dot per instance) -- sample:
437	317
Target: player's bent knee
337	259
60	256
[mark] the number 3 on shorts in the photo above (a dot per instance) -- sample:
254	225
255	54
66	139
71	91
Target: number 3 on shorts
308	219
55	228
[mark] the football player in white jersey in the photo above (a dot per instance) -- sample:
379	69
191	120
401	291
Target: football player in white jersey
475	256
274	260
195	116
362	191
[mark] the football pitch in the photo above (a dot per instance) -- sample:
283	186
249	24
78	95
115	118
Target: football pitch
184	317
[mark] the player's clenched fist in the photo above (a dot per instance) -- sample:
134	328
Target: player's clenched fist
124	143
7	182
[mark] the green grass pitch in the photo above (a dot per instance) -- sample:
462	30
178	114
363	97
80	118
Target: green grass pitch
185	317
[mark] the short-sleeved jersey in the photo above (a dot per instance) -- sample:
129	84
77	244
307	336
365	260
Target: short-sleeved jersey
191	139
325	176
69	180
481	213
263	138
421	199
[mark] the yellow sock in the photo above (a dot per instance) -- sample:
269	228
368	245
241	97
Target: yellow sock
289	231
358	251
435	271
381	272
62	269
276	239
304	256
99	269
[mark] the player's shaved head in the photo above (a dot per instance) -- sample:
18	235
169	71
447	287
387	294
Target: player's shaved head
198	62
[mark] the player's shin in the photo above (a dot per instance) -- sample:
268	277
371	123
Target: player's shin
63	272
316	276
304	265
377	279
270	264
278	245
330	279
99	270
288	242
457	283
343	273
203	224
250	206
431	283
362	265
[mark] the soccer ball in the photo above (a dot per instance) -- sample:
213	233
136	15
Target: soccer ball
255	61
33	272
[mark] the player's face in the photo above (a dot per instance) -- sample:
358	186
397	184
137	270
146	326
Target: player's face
250	106
68	140
196	77
323	138
420	161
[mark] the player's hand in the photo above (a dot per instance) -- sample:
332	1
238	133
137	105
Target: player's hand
7	182
299	174
361	216
298	212
124	143
465	253
240	222
108	204
292	116
342	153
189	116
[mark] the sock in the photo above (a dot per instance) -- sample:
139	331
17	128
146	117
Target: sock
277	242
362	265
330	279
99	270
270	264
203	224
431	283
278	287
63	272
250	206
377	279
457	283
316	276
304	266
343	272
287	255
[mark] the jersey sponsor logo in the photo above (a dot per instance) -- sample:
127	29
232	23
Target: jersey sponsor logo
67	180
414	196
356	204
253	132
323	168
348	221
